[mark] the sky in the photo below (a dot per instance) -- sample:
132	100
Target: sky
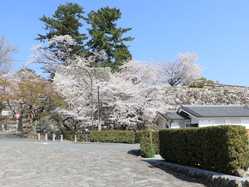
216	30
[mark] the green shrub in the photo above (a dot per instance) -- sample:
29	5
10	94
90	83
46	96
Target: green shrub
149	143
113	136
138	135
220	148
201	82
69	135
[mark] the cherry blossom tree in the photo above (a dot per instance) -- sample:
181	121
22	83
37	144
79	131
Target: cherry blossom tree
183	70
78	82
129	98
59	50
125	93
29	95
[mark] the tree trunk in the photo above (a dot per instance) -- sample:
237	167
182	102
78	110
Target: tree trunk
19	124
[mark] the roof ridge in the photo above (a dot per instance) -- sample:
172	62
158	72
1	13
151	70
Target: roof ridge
217	110
190	111
207	105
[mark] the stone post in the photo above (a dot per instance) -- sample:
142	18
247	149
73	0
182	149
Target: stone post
46	137
39	136
54	136
61	137
75	138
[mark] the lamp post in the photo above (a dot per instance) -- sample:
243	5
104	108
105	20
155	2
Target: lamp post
99	123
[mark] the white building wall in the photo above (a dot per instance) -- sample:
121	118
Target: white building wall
205	122
178	124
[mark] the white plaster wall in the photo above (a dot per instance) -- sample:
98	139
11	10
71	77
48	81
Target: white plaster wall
205	122
178	124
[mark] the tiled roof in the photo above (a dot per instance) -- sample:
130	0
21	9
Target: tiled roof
172	115
216	110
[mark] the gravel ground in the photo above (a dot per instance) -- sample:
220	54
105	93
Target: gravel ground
26	163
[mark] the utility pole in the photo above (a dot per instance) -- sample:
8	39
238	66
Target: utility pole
99	123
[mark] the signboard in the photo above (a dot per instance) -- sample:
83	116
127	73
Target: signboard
5	113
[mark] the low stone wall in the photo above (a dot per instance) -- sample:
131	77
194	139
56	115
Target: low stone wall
206	177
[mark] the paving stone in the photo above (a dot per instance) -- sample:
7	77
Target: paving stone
26	163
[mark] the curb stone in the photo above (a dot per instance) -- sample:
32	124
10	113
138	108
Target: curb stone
209	178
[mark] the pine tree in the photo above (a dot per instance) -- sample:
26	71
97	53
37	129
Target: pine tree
107	36
66	20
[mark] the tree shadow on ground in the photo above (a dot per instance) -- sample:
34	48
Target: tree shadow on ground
134	152
155	163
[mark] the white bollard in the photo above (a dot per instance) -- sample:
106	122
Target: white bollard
16	126
54	136
3	127
39	136
75	138
61	137
46	137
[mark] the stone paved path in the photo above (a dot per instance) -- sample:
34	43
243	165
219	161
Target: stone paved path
25	163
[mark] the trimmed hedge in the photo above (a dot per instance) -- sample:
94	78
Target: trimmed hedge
149	143
113	136
138	135
220	148
69	135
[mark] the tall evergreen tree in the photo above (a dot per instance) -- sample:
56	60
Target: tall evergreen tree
107	36
66	20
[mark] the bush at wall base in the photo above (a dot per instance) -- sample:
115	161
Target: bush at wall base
149	143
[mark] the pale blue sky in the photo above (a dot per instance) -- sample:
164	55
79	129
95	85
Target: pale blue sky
217	30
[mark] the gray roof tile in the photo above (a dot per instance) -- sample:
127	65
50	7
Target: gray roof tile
173	115
217	110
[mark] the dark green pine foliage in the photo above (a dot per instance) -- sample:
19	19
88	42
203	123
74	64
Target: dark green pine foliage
106	35
66	20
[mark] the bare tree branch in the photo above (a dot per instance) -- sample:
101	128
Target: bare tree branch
6	51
